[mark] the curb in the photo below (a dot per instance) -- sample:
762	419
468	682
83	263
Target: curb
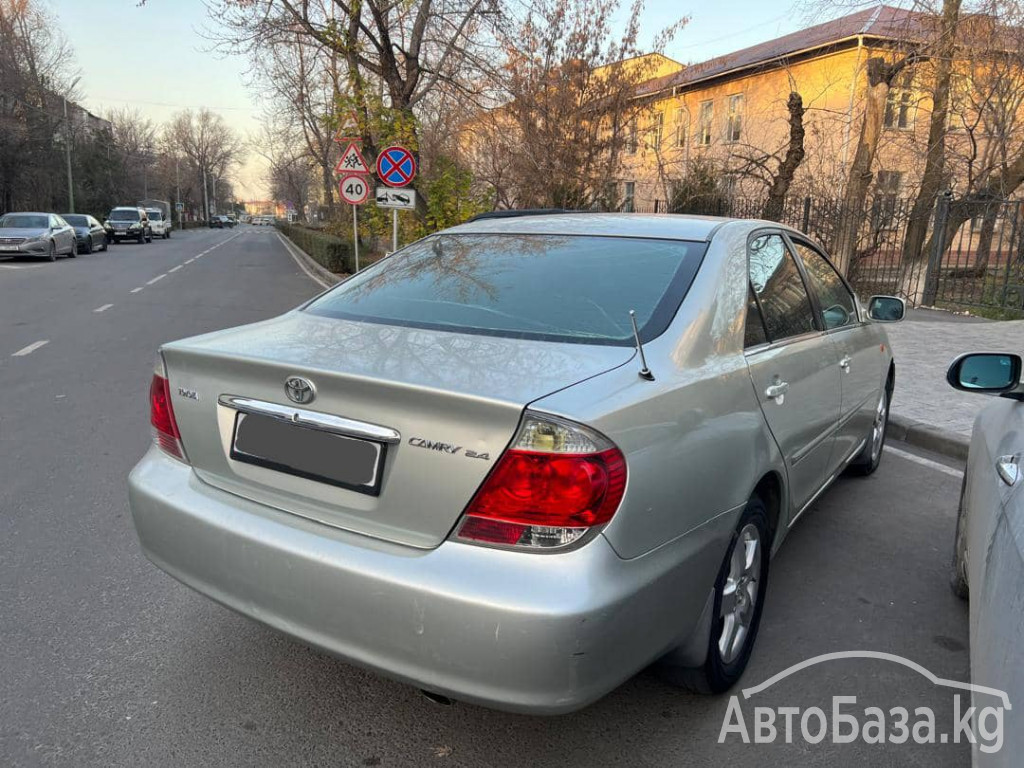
928	437
311	265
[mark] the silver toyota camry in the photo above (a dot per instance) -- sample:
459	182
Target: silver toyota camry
520	460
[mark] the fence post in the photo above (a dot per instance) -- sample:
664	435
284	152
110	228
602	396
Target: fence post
931	275
807	215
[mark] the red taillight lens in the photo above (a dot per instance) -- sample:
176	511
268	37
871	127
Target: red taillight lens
547	498
161	416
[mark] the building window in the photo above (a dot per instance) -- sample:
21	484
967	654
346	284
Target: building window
704	120
887	191
632	137
629	196
656	130
899	107
682	125
734	125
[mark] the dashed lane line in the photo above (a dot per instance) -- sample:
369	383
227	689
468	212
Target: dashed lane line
175	269
31	348
136	290
155	279
104	308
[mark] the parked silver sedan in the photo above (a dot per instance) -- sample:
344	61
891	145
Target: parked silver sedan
520	460
988	559
44	235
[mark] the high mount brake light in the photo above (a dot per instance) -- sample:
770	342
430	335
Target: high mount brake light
556	482
161	413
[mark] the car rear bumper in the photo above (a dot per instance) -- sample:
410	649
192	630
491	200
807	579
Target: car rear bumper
532	633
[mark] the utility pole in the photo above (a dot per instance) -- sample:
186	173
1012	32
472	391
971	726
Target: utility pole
206	201
177	194
67	148
214	194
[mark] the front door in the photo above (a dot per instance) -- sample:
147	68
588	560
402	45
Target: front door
795	370
861	359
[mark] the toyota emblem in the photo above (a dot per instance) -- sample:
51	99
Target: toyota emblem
299	390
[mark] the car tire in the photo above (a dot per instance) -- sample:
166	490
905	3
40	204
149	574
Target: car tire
74	250
141	239
958	570
870	456
743	580
88	245
51	255
105	244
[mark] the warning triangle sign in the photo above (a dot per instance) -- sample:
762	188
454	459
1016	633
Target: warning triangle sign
348	130
351	161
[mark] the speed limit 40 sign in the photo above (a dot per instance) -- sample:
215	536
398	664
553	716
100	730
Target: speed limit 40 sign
354	189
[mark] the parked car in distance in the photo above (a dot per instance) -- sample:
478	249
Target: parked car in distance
43	235
89	233
533	473
128	223
160	226
988	551
221	221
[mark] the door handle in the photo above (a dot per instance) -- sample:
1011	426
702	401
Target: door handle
1008	469
777	391
845	363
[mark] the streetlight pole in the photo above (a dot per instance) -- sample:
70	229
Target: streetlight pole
177	193
67	148
206	200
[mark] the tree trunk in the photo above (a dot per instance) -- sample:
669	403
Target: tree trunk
776	201
880	75
328	182
935	155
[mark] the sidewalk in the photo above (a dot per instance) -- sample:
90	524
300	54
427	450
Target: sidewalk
924	344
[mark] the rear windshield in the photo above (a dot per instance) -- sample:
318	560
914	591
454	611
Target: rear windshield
124	214
26	221
551	287
76	221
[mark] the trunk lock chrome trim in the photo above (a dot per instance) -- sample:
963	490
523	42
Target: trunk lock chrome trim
312	419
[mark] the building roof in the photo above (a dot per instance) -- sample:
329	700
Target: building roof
881	21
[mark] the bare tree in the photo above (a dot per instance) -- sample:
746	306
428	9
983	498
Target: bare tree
210	148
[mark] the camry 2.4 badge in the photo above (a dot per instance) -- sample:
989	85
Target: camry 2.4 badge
435	445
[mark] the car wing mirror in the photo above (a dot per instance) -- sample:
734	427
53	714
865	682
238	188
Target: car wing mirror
886	309
989	373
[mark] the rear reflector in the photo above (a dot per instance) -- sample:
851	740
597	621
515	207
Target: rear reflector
161	414
558	481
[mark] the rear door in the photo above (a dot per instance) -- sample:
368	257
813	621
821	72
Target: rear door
860	358
793	366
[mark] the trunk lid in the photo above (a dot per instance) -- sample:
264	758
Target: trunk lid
439	391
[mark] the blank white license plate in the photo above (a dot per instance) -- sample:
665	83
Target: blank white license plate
326	457
8	247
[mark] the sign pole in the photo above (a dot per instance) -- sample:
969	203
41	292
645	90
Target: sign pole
394	229
355	235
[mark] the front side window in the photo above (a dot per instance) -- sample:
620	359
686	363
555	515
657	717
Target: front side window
779	288
704	120
734	125
550	287
837	304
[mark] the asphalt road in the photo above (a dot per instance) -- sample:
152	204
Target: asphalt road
107	661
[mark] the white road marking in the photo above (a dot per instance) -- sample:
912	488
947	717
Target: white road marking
288	247
136	290
189	261
925	462
174	269
104	308
31	348
158	277
20	266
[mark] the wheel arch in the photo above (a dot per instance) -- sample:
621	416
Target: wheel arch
771	490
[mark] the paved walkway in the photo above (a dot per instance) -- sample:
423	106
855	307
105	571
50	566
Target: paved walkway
924	345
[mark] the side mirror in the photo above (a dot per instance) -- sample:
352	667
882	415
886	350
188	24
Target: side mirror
985	372
886	309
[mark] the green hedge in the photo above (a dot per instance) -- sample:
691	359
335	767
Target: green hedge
329	251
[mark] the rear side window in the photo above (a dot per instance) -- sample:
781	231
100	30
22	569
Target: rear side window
551	287
837	305
780	290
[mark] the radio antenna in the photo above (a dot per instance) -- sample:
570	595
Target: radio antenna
645	372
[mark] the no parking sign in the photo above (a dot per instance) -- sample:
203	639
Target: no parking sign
396	166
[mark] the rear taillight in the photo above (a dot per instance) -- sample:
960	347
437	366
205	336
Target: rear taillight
161	413
555	483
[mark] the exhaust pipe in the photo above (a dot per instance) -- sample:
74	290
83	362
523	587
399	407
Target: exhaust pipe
436	698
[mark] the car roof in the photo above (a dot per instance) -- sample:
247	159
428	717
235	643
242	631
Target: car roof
30	213
663	225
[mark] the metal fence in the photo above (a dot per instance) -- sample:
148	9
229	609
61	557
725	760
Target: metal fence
970	258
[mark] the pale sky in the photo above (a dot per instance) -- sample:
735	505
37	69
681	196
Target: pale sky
155	57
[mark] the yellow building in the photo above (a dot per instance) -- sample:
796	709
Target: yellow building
730	112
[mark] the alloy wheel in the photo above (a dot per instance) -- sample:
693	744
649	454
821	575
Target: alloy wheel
740	593
878	428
